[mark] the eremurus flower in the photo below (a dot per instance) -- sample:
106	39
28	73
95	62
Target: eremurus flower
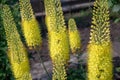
99	48
74	36
17	53
30	25
58	38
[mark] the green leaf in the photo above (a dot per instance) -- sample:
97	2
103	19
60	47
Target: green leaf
117	20
116	8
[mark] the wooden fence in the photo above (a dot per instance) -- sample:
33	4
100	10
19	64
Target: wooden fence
67	5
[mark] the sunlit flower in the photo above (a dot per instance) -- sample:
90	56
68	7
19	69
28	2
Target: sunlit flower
17	53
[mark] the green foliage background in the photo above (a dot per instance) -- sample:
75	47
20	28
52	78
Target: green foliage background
114	6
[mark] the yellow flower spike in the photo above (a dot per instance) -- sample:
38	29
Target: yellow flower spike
26	10
59	48
47	22
32	33
56	29
99	49
74	37
100	62
59	45
58	38
17	53
30	26
59	72
50	18
60	22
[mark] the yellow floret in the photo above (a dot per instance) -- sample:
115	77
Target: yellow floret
17	53
100	62
32	33
30	25
99	49
59	44
74	41
58	38
21	69
74	37
59	72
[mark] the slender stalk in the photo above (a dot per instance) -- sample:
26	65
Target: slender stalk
42	63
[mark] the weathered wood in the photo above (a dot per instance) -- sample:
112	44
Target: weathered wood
68	8
77	6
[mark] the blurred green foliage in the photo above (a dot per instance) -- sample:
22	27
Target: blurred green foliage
114	6
78	73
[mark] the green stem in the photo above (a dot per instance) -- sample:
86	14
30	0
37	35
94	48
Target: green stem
42	63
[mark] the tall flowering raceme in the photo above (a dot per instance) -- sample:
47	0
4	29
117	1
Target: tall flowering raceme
16	51
30	25
99	48
50	15
58	41
74	36
50	18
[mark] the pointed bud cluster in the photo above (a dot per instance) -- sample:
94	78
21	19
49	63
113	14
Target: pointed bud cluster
100	32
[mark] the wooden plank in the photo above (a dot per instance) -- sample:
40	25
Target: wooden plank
67	8
77	6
